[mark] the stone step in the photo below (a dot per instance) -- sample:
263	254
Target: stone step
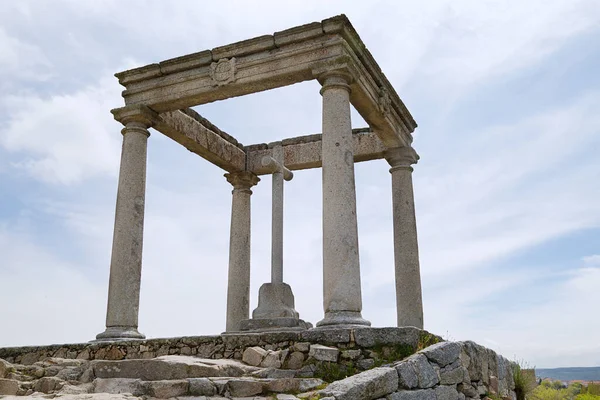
216	386
170	367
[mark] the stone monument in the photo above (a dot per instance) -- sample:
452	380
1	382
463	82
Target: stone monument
160	95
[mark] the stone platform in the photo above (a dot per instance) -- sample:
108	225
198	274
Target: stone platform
334	364
229	345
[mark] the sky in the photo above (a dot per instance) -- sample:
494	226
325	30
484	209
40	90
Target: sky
506	95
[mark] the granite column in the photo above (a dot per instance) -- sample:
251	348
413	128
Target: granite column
342	300
409	303
126	259
238	287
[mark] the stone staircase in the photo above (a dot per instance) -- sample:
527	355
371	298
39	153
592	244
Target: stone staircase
162	377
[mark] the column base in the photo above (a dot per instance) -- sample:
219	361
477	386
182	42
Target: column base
274	324
275	300
337	319
119	333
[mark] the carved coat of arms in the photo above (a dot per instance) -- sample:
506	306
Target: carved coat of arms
223	71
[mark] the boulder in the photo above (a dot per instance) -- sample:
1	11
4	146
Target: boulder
371	384
254	356
442	353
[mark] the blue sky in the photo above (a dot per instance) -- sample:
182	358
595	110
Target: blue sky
506	95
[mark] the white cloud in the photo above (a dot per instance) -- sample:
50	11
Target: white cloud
21	60
65	138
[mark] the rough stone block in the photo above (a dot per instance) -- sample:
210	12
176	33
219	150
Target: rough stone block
426	374
443	353
324	353
244	387
452	374
366	363
272	360
369	337
201	387
8	387
167	389
293	385
468	390
302	346
254	356
4	366
331	336
370	384
351	354
295	360
118	385
443	392
493	384
407	377
427	394
49	384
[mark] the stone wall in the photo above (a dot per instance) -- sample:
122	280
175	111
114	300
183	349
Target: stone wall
369	346
444	371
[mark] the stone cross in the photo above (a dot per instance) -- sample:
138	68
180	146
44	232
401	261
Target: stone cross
279	173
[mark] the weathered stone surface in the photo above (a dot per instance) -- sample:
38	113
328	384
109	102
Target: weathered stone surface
201	387
244	387
493	386
169	367
366	363
351	354
8	387
326	336
48	384
426	374
4	366
254	356
369	337
452	374
295	360
302	347
370	384
468	390
324	353
407	377
427	394
443	392
118	385
443	353
167	389
272	360
293	385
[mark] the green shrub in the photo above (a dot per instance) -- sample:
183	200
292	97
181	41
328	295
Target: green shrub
525	381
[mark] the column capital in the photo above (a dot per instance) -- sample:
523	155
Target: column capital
242	180
401	157
141	115
339	75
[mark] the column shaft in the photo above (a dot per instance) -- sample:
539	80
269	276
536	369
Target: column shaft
409	303
342	300
238	286
126	260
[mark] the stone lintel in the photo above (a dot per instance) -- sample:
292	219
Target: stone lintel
202	140
272	61
304	152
